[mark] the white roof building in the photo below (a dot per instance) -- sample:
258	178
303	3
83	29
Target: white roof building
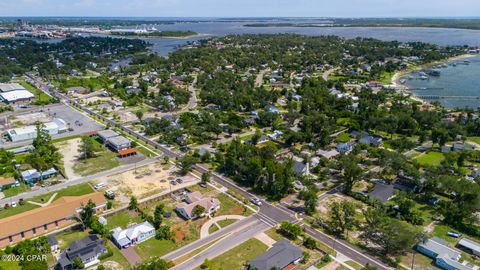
30	132
135	234
7	87
16	95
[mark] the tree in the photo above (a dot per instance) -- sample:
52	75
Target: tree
158	215
87	148
139	115
341	217
154	264
198	210
87	213
44	155
369	267
186	164
290	230
77	263
206	177
311	200
164	233
351	172
166	159
133	205
309	242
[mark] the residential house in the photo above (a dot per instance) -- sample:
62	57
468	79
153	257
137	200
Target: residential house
382	192
132	235
457	147
7	182
345	148
185	209
52	240
32	176
328	154
445	257
38	221
282	255
301	168
88	249
370	140
469	246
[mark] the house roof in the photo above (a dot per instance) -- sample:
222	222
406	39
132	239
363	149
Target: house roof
59	209
382	192
279	256
453	263
470	244
124	237
7	87
127	151
440	247
107	133
207	203
6	181
118	140
16	95
86	248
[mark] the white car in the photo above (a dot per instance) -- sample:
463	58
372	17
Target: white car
14	204
99	186
256	201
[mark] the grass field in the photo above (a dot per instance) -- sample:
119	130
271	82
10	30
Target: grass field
105	160
236	257
475	139
39	95
344	137
76	190
212	229
17	210
122	219
431	159
154	248
13	191
67	237
226	222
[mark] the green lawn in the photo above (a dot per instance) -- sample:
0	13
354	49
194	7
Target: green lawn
353	264
431	159
422	262
76	190
154	248
226	222
212	229
10	265
228	206
122	219
117	256
236	257
105	160
344	137
474	139
13	191
17	210
67	237
40	96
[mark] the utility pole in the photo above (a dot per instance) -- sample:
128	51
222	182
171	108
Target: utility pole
413	259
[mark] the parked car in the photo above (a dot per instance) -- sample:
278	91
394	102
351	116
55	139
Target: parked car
110	194
179	180
21	202
14	204
256	201
173	182
454	234
99	186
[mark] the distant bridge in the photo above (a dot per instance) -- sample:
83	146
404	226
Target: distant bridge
426	88
448	97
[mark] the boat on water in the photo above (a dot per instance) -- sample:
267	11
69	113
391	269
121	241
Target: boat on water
466	62
402	81
423	77
454	64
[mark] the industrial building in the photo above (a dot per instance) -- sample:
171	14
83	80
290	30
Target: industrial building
57	126
12	93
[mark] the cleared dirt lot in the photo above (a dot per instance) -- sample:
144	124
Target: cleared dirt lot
69	150
145	181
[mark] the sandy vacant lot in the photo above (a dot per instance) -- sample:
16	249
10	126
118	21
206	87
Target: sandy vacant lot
144	181
69	150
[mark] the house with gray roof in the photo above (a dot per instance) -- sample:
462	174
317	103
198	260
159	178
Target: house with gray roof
445	257
382	192
88	249
469	246
281	255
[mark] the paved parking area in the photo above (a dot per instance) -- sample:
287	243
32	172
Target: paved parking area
80	123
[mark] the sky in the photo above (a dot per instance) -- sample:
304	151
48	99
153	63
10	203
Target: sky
241	8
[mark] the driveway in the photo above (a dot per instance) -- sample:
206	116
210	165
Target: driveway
131	255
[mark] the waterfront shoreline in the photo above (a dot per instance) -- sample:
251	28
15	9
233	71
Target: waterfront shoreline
402	73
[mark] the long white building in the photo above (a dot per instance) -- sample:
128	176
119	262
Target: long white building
30	132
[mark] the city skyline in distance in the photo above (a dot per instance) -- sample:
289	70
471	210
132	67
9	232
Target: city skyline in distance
240	9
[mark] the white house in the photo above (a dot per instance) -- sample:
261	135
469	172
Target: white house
133	235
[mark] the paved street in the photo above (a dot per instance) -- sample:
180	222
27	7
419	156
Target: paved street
230	241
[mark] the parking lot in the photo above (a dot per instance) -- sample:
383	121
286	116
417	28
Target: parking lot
78	122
